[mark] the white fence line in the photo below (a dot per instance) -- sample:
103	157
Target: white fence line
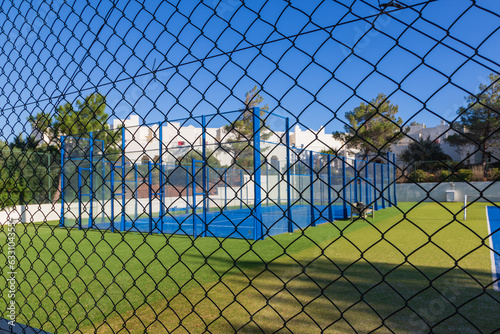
406	192
446	191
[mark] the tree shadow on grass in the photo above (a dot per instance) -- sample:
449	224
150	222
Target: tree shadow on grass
322	294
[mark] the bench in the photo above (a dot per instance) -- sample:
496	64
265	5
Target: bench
362	211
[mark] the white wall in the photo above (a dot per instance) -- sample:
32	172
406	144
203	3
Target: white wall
411	192
31	213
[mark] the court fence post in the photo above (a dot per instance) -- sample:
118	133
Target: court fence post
394	184
205	183
389	196
135	193
367	184
193	172
112	181
150	195
329	180
162	176
356	179
241	188
288	178
375	199
91	181
79	199
382	185
267	183
311	188
103	186
257	210
187	188
63	174
344	190
122	220
278	179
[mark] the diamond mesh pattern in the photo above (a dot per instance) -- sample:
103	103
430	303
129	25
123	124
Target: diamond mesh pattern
131	132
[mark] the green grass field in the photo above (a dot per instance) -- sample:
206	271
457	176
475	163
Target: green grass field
336	277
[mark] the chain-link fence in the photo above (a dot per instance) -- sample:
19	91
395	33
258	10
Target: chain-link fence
263	166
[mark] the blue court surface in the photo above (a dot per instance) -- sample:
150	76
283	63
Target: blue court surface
239	223
18	328
493	217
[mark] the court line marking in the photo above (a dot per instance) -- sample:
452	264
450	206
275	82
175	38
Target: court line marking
495	276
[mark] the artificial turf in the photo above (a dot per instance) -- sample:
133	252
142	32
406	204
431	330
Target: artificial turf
412	268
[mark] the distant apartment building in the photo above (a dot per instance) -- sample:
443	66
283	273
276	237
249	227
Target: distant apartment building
142	141
439	134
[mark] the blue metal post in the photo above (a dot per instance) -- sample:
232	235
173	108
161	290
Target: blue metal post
103	187
225	189
344	190
394	181
241	187
311	188
204	173
329	180
162	181
63	174
79	199
375	186
389	178
193	171
356	179
367	184
258	228
382	185
91	176
187	190
288	178
267	183
301	188
150	195
122	217
278	177
368	190
135	190
112	177
351	192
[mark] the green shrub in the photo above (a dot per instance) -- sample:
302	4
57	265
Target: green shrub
494	174
418	176
444	175
464	175
429	177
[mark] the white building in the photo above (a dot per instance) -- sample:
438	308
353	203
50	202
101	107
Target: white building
313	140
439	134
142	145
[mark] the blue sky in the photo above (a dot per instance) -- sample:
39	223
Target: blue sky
314	60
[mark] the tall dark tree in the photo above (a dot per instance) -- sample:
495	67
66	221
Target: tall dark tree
240	132
187	159
21	144
423	150
77	120
68	120
372	127
479	123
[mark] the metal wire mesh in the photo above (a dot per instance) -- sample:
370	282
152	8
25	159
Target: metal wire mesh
334	144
